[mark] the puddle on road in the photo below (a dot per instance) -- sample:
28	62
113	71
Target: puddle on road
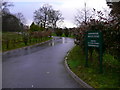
47	72
63	40
32	86
52	43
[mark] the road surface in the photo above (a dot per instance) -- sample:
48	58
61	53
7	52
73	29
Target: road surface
39	67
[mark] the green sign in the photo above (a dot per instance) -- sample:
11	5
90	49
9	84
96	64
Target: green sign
94	39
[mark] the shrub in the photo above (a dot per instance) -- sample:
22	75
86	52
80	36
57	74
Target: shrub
59	32
66	32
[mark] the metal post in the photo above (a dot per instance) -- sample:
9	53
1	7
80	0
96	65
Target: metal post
101	54
86	50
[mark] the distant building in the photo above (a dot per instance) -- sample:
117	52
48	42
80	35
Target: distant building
110	2
26	28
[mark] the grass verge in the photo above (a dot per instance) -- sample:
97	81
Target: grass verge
111	69
12	41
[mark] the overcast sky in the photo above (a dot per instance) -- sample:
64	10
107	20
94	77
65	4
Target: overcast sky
68	8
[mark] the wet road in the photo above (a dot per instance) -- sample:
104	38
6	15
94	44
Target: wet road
39	67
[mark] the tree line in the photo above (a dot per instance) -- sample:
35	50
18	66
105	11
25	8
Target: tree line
44	17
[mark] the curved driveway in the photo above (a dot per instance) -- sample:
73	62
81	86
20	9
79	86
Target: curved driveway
39	67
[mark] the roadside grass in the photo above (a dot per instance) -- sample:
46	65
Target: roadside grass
16	41
111	69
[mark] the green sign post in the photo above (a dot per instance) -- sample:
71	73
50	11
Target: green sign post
94	39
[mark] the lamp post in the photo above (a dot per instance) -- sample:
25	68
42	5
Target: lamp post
85	11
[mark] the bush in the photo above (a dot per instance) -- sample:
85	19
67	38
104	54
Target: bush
66	32
34	27
59	32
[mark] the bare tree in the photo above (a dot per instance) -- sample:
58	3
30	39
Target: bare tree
41	15
46	16
21	18
54	17
82	15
